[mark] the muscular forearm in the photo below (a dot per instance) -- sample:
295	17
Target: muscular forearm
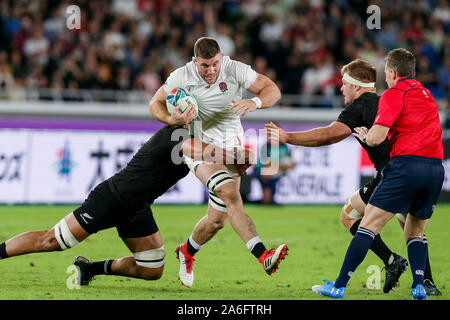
269	96
198	150
159	112
311	138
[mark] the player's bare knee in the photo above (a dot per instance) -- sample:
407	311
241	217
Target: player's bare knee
149	273
228	193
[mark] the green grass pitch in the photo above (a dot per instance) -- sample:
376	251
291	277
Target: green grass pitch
224	269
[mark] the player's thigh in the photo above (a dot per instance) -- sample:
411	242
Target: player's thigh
352	210
414	227
75	228
204	171
375	218
139	232
150	242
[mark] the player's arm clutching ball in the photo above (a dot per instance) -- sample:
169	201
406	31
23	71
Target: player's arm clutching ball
196	149
158	108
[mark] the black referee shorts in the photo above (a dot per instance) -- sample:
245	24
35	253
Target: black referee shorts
103	210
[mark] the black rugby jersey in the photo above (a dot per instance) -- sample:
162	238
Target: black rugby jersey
362	113
151	171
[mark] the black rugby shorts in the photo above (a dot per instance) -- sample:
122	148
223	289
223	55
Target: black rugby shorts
103	210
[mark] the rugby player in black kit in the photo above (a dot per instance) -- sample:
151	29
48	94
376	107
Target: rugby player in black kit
361	109
123	201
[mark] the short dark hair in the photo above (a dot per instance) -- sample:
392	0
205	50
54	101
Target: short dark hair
206	48
360	70
402	61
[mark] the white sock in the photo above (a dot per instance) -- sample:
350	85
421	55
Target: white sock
194	244
252	242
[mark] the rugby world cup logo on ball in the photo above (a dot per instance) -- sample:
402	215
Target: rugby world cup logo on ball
180	99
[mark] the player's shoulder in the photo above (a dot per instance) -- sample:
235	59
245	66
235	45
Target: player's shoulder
231	66
394	92
368	99
188	73
402	86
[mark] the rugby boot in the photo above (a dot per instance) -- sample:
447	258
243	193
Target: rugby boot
84	276
431	289
394	271
418	293
186	272
272	258
329	290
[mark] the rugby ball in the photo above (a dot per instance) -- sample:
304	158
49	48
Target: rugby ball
180	99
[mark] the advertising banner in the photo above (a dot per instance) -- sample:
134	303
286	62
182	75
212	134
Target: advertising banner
63	166
326	174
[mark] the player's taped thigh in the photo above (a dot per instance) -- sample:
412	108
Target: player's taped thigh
63	235
216	180
153	258
216	202
351	212
401	217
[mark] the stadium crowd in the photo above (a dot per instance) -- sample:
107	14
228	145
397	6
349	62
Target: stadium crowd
135	44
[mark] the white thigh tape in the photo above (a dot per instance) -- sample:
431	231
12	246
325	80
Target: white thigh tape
401	217
218	179
63	235
216	202
151	258
350	211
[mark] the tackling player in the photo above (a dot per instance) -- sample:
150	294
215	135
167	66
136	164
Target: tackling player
358	88
216	82
123	201
411	182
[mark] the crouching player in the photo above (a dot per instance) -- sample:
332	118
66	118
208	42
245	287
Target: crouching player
123	201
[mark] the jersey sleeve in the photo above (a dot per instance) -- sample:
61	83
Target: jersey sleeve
350	116
389	107
244	74
174	80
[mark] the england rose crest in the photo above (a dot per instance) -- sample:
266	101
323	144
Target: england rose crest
223	87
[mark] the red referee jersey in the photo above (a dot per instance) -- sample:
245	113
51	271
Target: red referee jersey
411	113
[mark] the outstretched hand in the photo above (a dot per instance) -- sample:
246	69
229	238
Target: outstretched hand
275	134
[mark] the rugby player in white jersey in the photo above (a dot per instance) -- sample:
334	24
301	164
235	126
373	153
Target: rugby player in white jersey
216	82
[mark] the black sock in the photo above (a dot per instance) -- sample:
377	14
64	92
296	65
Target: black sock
378	246
258	250
356	253
417	255
101	267
427	274
3	254
190	248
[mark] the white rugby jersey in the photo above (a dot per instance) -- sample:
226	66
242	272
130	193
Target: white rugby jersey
215	122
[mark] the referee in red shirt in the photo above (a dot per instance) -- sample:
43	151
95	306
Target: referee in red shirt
411	182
